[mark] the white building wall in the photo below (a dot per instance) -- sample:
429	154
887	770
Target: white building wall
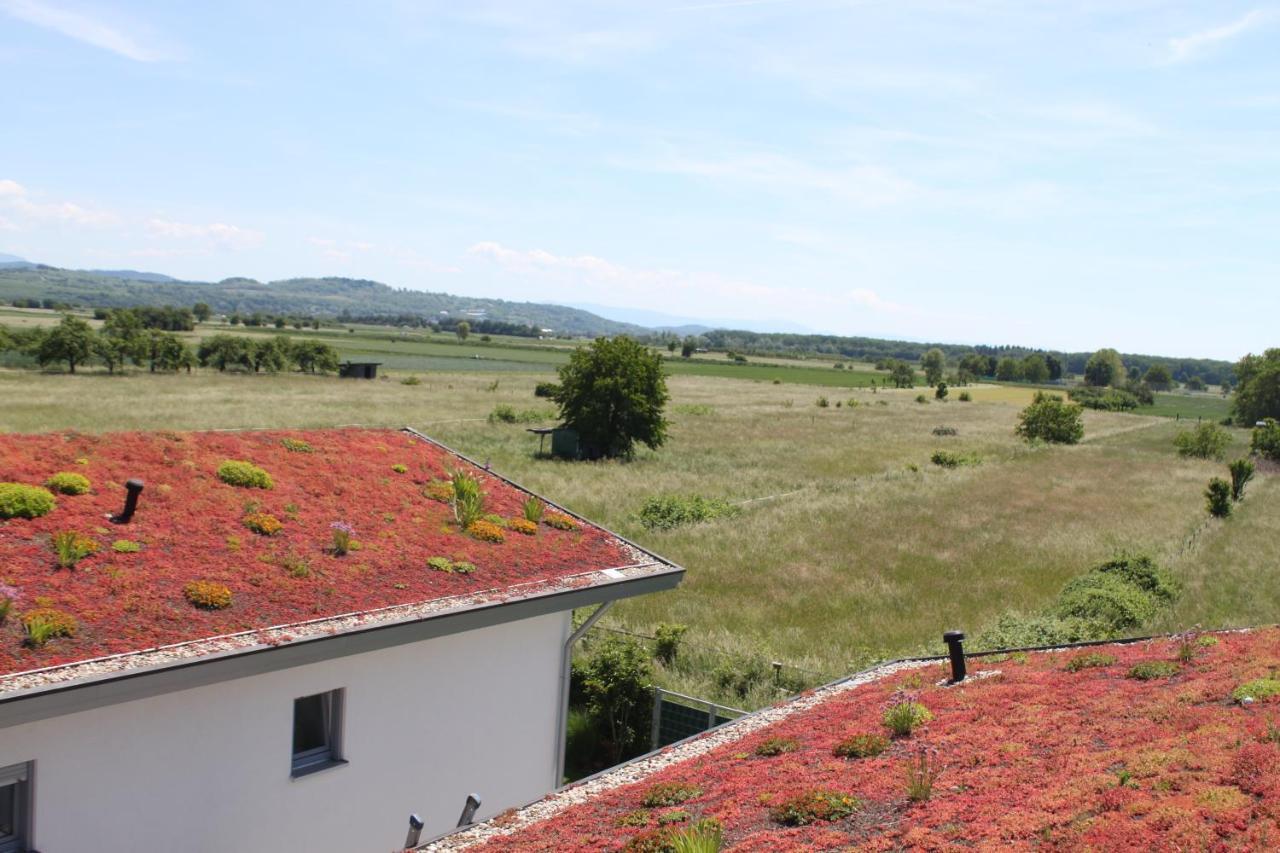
207	769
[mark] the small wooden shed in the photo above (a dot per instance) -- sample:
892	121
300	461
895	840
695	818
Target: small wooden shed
359	369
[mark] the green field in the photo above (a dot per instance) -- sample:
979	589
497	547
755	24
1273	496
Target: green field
850	547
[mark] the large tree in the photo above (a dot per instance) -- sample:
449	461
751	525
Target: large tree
1008	370
1035	369
934	365
1104	368
70	341
613	393
1158	377
1257	393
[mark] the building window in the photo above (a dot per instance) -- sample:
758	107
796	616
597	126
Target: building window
317	732
15	808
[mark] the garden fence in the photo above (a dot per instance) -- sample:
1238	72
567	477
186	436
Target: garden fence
676	717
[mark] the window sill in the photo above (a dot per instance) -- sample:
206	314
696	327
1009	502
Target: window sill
310	770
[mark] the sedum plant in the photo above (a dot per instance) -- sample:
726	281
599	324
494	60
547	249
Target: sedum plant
18	500
68	483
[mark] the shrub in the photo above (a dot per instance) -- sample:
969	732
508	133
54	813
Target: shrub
814	806
1241	473
559	521
1142	571
295	445
941	392
822	403
411	380
400	469
45	623
439	490
777	746
904	714
68	483
666	642
485	531
1207	441
533	509
1152	670
861	746
521	525
1106	600
669	794
244	474
1050	419
125	546
947	459
945	430
1106	399
545	389
1218	498
613	393
468	499
72	547
21	501
965	397
340	534
263	524
1017	630
208	595
1089	660
920	398
670	511
1266	440
1260	689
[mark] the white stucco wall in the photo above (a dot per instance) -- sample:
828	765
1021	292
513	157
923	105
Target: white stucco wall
207	769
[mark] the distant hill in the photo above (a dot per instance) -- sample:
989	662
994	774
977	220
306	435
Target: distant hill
321	297
13	262
133	275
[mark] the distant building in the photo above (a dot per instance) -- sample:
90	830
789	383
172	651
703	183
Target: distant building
359	369
223	672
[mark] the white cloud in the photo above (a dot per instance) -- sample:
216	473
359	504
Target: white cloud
1184	48
20	204
339	250
81	27
216	234
868	298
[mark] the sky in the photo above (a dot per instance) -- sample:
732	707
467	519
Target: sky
1068	175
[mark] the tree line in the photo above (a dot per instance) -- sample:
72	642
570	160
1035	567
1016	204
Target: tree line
126	337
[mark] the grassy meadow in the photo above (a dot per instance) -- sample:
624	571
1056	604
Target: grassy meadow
850	545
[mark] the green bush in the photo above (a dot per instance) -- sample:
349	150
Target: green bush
1050	419
1218	498
1259	690
1089	660
18	500
822	402
545	389
666	642
777	746
947	459
1013	630
941	392
670	511
1107	600
920	398
903	717
861	746
1206	441
68	483
1266	440
244	474
965	397
1104	399
505	414
1153	670
669	794
1241	473
814	806
1142	571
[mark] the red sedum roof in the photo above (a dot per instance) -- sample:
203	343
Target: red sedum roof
191	526
1032	755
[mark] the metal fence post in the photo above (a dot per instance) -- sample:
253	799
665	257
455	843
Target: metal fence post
655	726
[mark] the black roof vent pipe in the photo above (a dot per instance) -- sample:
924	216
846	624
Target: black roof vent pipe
134	488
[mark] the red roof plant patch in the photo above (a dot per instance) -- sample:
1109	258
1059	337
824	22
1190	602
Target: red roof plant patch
190	526
1029	753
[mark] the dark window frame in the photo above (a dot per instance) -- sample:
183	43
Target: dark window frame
313	759
18	777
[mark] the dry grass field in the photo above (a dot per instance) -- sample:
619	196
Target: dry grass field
850	545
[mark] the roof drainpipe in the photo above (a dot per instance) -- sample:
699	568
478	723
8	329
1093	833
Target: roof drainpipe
565	662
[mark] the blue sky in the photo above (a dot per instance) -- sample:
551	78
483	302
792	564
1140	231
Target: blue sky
1067	175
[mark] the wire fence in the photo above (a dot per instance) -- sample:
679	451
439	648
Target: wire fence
677	716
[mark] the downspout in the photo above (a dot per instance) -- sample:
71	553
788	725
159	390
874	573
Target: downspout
565	661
